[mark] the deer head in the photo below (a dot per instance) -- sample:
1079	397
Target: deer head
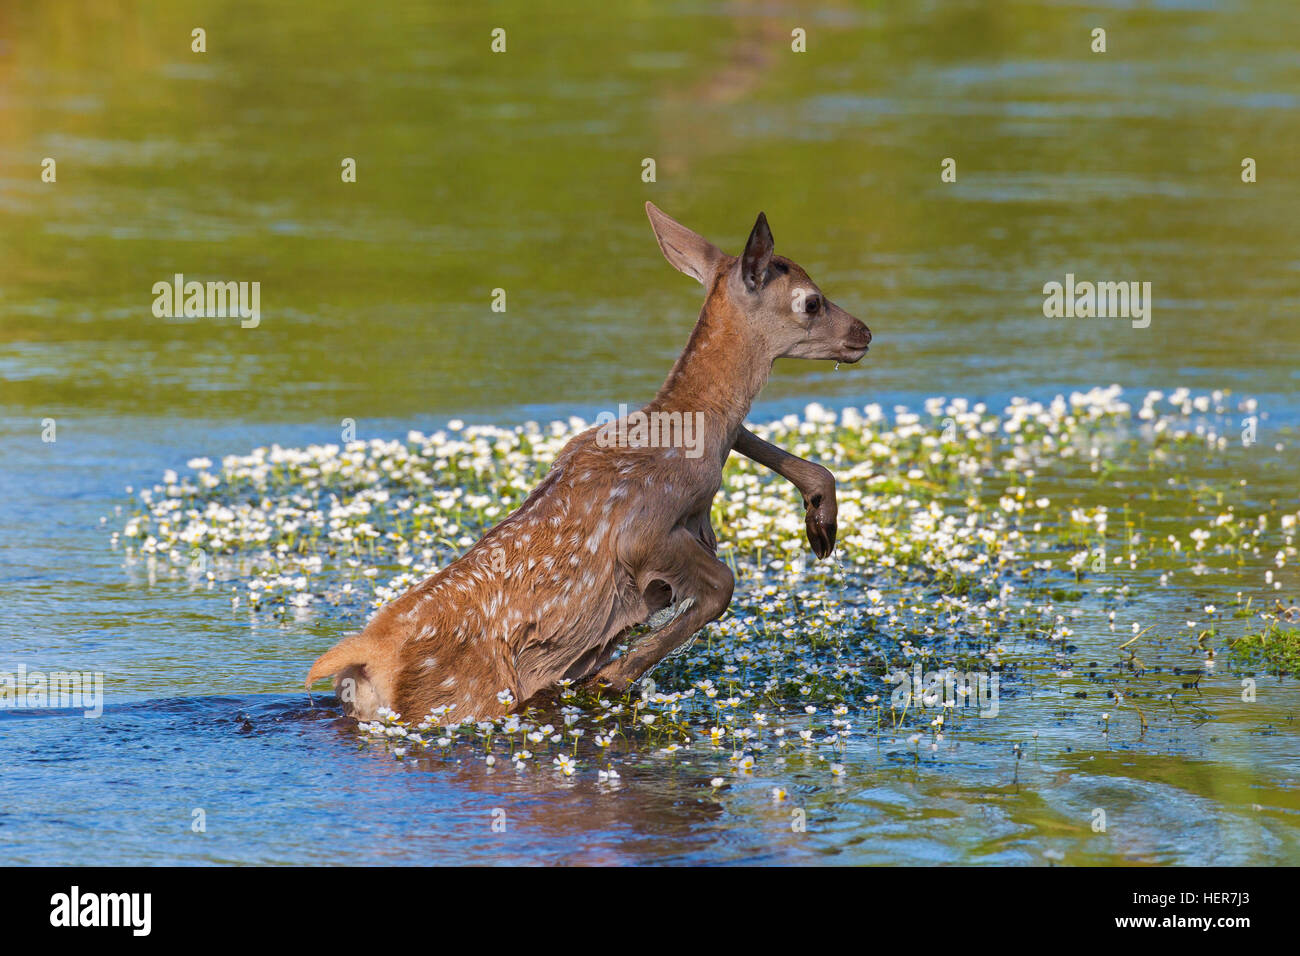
778	303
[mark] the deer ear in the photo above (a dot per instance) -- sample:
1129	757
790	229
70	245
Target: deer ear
757	255
686	250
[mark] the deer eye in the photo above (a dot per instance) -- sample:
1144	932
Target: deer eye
812	305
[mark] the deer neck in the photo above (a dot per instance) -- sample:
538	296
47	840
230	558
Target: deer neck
719	374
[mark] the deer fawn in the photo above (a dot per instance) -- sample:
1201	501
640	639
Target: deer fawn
615	534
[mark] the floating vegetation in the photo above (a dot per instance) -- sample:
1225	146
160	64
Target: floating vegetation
972	545
1275	648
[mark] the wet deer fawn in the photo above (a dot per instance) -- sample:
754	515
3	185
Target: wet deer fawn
618	532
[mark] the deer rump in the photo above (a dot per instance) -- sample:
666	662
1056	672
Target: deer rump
547	594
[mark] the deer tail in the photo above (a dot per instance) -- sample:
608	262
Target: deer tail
351	651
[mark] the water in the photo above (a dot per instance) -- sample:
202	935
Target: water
522	171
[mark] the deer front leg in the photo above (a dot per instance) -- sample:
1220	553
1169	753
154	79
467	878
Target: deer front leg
815	483
692	572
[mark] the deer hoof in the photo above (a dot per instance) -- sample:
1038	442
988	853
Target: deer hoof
605	681
611	679
820	522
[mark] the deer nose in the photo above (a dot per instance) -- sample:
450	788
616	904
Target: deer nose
860	336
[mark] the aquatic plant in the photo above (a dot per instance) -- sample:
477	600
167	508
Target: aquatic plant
972	545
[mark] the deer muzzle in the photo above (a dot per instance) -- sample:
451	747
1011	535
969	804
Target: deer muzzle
856	342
